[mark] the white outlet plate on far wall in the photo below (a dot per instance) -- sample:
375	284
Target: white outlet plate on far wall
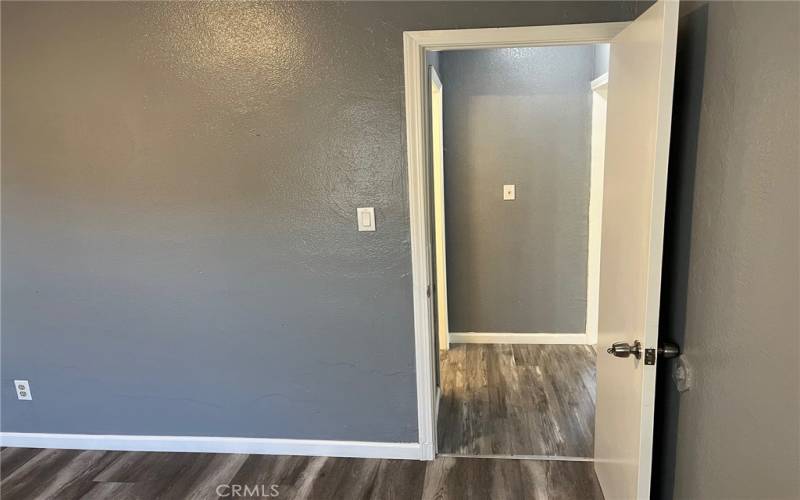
366	218
509	192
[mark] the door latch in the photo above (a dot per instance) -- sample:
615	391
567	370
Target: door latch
666	350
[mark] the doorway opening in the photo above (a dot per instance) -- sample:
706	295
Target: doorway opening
517	148
639	102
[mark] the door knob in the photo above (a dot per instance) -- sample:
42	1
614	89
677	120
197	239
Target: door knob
666	350
624	349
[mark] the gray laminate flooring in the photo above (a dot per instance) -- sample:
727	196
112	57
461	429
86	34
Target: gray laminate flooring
517	400
72	474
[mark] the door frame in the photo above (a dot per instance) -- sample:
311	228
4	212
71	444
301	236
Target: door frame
415	45
437	152
599	88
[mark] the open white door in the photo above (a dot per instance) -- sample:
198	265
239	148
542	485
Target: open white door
437	146
641	74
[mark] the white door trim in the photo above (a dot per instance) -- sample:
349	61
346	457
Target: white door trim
599	99
206	444
437	164
415	44
600	81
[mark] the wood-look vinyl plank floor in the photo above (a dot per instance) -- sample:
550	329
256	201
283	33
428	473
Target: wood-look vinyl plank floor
72	474
503	399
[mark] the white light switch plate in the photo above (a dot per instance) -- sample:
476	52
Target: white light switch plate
509	192
23	388
366	218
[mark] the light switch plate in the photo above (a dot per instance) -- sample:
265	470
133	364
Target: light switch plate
509	192
366	218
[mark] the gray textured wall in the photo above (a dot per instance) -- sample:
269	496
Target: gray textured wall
602	51
523	117
732	278
179	184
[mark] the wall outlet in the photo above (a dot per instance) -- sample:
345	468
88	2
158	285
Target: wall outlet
366	218
23	388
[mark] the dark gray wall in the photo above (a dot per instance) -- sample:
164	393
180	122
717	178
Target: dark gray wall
179	185
432	59
523	117
731	273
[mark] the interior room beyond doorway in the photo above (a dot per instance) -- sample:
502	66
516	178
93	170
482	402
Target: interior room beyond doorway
517	143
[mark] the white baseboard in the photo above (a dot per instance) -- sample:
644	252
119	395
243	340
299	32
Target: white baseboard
518	338
201	444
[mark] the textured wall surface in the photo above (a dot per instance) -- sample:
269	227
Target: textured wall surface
179	185
523	117
601	55
733	252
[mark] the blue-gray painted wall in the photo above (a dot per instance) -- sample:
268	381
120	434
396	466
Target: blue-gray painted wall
179	185
731	284
602	51
517	116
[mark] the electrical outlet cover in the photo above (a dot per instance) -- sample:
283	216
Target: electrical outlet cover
23	388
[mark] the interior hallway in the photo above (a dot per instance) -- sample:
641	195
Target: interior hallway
503	399
70	474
